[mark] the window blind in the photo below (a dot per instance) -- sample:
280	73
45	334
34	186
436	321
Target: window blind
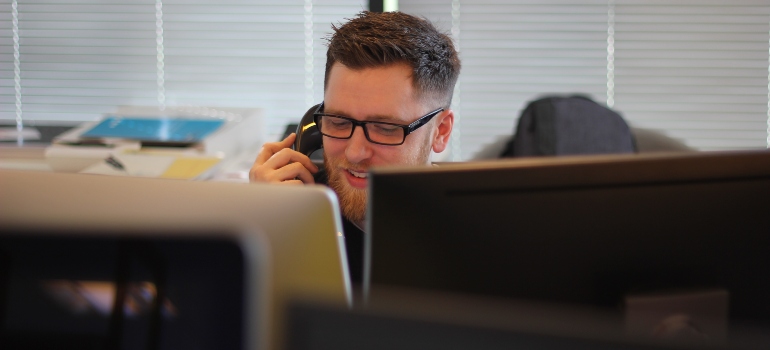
696	71
81	60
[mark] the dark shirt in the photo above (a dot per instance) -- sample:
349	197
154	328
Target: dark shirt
354	240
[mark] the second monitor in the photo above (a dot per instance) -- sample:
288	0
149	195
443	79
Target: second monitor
649	237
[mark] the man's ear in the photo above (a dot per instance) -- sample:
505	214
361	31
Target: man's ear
443	130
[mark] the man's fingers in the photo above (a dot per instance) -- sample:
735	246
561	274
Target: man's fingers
271	148
289	140
284	165
304	175
287	156
293	171
277	162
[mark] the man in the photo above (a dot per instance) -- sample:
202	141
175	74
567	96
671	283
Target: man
387	90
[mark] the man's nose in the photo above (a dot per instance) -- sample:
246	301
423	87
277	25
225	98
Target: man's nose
359	148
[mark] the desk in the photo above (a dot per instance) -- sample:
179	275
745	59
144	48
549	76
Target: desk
238	141
30	157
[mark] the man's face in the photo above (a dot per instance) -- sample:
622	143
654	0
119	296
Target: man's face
377	94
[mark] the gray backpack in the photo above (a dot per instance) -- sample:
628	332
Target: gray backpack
556	125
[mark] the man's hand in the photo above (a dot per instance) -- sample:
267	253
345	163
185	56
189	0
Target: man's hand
277	162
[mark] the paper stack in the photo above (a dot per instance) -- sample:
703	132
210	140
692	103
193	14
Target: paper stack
160	164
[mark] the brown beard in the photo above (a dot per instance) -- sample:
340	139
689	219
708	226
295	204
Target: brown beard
352	200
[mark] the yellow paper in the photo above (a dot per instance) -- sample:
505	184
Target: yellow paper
189	168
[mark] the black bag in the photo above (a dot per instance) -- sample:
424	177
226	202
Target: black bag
557	125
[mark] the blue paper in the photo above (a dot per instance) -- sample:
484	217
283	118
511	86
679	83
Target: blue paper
154	129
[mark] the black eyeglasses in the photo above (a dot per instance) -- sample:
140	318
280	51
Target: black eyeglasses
381	133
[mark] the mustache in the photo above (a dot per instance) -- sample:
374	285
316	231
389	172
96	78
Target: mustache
343	163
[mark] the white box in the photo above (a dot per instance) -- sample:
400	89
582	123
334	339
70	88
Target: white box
242	132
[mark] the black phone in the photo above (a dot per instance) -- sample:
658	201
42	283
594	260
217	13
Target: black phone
309	138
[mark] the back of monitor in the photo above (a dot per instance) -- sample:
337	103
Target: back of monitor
613	232
302	224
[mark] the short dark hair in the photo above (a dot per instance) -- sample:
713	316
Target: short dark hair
378	39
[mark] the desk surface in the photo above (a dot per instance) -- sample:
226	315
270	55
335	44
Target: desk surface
32	157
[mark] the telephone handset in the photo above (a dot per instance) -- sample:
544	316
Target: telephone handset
309	138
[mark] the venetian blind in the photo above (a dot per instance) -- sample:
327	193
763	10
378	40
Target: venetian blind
81	60
696	71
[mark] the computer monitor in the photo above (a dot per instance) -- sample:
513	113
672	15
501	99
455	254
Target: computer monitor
301	223
664	238
125	289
